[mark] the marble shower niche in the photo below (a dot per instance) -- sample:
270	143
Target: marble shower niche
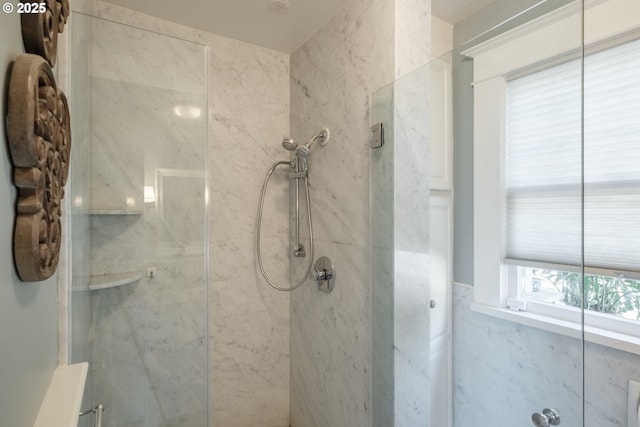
139	314
148	140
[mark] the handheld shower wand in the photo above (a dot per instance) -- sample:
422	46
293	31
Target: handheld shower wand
299	171
289	144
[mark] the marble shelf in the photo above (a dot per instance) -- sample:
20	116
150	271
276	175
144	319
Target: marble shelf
114	212
106	281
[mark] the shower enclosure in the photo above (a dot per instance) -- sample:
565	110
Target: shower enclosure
521	300
138	196
550	321
545	286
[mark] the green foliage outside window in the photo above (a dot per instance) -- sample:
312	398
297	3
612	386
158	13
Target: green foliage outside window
605	294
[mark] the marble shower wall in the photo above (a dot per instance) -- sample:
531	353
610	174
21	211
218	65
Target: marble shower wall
248	115
505	371
333	76
249	321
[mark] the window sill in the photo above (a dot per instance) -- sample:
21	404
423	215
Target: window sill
619	341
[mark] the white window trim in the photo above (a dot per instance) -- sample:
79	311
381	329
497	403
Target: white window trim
541	41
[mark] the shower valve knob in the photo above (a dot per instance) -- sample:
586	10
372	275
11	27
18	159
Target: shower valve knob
324	274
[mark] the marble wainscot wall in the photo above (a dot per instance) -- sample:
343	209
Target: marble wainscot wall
505	371
247	100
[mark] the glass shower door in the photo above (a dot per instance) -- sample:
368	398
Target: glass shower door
515	300
612	213
518	342
138	186
400	263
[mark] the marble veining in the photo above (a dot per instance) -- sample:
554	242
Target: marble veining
412	35
169	63
505	371
508	371
332	78
331	363
249	321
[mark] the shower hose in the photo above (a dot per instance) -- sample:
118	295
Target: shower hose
259	226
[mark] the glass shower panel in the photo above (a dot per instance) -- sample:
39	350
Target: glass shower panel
517	318
145	300
79	193
612	212
400	259
382	262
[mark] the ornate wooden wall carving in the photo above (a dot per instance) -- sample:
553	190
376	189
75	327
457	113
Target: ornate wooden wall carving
39	133
40	143
40	30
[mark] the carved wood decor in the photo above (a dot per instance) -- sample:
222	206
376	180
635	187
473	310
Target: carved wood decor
40	30
39	133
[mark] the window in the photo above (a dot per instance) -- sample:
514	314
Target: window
619	296
528	202
543	180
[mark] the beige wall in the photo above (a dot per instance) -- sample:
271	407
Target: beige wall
28	311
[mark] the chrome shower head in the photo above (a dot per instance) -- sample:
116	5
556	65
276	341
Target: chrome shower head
322	138
289	144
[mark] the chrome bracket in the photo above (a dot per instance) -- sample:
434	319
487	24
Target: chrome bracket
97	411
378	135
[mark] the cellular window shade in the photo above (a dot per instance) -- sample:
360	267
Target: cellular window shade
543	158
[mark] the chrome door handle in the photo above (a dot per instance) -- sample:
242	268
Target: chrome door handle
98	410
548	417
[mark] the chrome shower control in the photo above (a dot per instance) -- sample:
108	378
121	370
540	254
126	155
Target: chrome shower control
324	274
548	417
